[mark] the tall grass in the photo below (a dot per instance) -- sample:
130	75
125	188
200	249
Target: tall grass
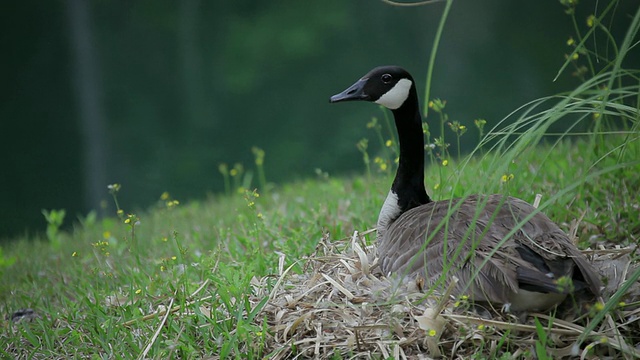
180	279
603	113
601	116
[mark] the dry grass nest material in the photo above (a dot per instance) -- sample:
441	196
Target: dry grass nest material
341	306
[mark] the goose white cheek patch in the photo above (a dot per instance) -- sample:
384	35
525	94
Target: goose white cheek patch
395	97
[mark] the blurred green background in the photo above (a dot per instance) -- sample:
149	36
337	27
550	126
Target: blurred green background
154	95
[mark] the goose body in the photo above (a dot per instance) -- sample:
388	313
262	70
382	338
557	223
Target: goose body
532	268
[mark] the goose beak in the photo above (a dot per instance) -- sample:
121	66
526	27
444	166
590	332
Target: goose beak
354	92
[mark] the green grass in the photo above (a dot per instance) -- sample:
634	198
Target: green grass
77	287
93	290
102	290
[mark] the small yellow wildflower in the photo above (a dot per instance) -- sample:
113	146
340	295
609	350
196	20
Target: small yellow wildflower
164	196
173	257
598	306
259	155
575	56
432	333
591	20
381	163
165	239
113	188
506	178
389	143
437	105
596	115
571	42
462	128
425	128
260	216
138	291
233	172
604	340
74	254
162	268
127	220
463	299
445	162
481	327
622	304
106	234
120	212
436	186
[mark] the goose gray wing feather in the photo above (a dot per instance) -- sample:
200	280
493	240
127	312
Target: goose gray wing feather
458	237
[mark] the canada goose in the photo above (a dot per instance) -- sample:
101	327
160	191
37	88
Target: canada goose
534	269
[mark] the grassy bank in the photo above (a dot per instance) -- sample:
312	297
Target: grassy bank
210	279
100	291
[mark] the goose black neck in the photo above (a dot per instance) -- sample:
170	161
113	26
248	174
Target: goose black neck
408	184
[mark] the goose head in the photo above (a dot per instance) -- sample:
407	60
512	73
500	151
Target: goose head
389	86
393	87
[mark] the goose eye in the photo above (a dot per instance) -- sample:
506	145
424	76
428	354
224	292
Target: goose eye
386	78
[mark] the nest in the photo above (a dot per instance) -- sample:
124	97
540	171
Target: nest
342	305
